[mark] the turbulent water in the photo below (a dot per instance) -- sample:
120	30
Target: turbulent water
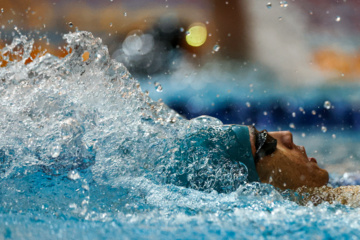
85	154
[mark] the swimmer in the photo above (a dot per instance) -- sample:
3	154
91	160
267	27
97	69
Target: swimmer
289	167
284	164
270	157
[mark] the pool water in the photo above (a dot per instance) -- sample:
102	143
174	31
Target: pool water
80	146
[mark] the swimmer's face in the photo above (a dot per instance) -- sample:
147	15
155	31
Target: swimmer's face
289	167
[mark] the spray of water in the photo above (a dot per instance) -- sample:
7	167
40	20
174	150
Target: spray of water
80	141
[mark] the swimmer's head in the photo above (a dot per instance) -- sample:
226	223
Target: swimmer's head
288	166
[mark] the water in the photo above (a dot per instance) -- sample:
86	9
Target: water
283	4
327	105
80	150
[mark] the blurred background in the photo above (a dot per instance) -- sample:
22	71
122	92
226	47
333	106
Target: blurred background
281	65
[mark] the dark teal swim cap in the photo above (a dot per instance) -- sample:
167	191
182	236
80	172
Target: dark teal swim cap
240	149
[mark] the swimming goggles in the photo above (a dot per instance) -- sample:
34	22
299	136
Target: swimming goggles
264	144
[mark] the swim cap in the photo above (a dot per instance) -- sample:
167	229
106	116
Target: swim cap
240	149
210	158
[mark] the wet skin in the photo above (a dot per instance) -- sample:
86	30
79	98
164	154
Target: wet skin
288	167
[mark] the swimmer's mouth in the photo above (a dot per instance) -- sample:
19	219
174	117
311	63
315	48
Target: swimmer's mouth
311	159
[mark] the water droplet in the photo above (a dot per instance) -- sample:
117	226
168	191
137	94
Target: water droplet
216	48
311	13
280	18
72	205
55	151
293	114
73	175
86	187
125	14
248	104
182	29
303	135
158	87
283	4
70	24
338	19
265	113
269	5
323	129
173	120
327	104
187	33
111	24
313	112
2	10
291	125
334	136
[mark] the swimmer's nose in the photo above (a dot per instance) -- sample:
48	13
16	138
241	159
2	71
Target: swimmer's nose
284	137
301	148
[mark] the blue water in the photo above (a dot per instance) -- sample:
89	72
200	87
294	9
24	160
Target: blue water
79	142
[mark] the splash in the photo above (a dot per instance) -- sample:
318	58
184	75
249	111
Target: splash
62	114
86	110
85	152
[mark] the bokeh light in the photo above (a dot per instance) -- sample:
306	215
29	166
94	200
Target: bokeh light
196	35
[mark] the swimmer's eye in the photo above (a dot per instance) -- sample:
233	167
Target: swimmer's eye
265	144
